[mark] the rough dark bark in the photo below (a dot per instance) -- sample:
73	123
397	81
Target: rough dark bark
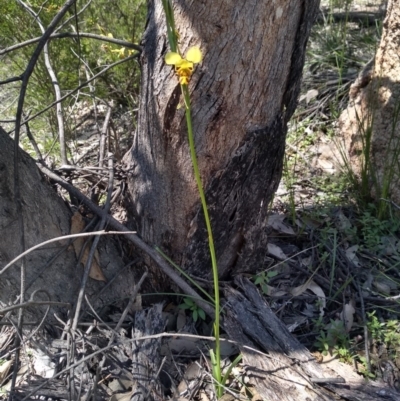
243	95
146	356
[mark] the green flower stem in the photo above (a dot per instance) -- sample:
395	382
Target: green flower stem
171	31
186	96
173	42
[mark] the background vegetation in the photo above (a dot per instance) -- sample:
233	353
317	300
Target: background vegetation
75	60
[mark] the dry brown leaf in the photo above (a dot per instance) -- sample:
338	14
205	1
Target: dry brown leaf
352	256
276	222
308	222
181	320
203	396
77	226
274	250
382	287
347	315
23	372
343	224
307	262
316	289
4	368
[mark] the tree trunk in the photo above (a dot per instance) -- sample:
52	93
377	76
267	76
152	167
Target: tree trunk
370	126
243	94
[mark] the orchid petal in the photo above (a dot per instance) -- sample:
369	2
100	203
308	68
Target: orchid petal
172	58
194	55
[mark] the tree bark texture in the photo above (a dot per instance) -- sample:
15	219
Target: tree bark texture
243	94
46	216
374	108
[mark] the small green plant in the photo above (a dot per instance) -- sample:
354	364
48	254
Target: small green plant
364	371
375	327
373	229
386	334
323	343
197	312
335	339
262	279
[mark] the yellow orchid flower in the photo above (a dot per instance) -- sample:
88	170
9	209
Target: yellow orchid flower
184	66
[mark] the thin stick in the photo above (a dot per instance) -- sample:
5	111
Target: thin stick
88	266
55	83
364	320
6	267
120	42
34	303
103	135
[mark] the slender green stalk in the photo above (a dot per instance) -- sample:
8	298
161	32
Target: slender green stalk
193	155
171	31
184	75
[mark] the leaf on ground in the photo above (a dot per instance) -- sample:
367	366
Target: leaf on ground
310	95
351	255
22	374
274	250
181	345
275	221
389	245
77	226
307	262
4	368
343	223
181	320
347	315
316	289
296	322
382	287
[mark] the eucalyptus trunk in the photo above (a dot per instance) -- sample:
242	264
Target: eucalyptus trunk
370	126
243	94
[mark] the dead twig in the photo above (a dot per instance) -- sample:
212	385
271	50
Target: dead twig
55	83
85	276
88	266
20	256
103	136
62	35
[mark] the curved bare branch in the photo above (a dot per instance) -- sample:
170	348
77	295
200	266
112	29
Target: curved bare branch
62	35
